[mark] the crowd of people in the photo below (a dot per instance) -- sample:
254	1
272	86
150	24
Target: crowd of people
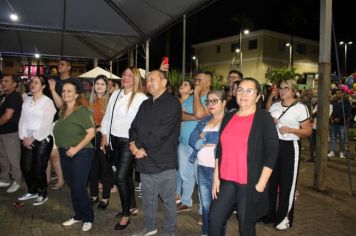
239	145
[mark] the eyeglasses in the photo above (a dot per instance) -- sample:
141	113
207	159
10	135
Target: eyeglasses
212	101
284	88
248	91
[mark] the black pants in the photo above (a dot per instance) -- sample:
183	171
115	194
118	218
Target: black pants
230	195
124	161
100	170
34	164
283	182
312	142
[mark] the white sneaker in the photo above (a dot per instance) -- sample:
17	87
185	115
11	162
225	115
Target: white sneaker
145	232
138	188
331	154
70	222
40	200
3	184
13	188
283	225
27	196
342	155
87	226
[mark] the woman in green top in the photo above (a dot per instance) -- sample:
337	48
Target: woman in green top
73	132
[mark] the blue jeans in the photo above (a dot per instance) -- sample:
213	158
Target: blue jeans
76	171
187	172
205	179
337	130
178	180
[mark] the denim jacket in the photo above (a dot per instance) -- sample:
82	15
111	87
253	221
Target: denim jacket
211	137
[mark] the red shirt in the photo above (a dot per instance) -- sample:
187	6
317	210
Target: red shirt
234	144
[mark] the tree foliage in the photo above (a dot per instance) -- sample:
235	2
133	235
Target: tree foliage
276	75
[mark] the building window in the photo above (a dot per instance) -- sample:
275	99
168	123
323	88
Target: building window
252	44
301	49
234	46
282	45
218	49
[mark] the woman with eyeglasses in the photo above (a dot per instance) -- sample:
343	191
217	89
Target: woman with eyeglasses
292	120
35	131
120	112
245	156
203	140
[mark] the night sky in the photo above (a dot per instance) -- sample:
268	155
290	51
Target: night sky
215	21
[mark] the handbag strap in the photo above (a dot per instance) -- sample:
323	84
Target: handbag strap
112	116
284	112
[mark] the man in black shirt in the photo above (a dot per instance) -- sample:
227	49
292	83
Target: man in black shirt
153	141
56	84
10	112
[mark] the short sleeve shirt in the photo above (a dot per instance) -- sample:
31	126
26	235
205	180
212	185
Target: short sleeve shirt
11	101
292	117
188	126
71	130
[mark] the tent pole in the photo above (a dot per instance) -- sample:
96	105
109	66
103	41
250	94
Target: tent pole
184	45
147	57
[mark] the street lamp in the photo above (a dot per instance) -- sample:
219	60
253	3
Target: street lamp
345	43
290	54
237	50
245	32
196	63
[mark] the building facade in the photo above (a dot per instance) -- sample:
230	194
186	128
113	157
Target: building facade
261	51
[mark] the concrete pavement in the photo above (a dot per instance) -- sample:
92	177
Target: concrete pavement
329	213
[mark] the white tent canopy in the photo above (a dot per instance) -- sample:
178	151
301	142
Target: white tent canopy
98	71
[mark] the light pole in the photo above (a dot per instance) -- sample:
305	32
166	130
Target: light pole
237	50
290	54
196	63
245	31
345	43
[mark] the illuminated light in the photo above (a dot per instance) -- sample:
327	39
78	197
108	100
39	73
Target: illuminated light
14	17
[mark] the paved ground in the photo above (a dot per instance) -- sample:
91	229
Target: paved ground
329	213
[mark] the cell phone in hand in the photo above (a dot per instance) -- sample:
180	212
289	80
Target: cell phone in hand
165	60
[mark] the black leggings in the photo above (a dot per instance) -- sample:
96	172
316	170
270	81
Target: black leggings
124	160
100	170
34	164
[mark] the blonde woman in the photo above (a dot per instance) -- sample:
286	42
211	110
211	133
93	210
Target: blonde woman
101	168
120	112
293	122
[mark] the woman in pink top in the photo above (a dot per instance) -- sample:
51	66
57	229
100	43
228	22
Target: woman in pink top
245	157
